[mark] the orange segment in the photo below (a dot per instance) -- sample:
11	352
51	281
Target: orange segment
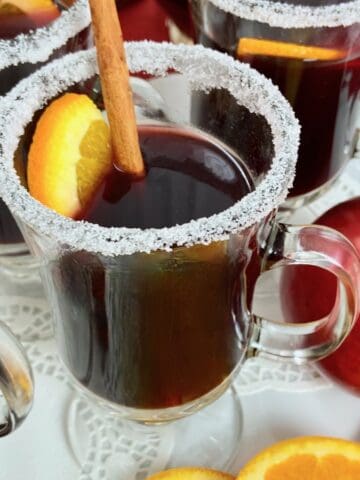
70	154
26	6
310	458
191	473
272	48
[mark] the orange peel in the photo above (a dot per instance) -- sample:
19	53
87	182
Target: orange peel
310	458
274	48
191	473
70	154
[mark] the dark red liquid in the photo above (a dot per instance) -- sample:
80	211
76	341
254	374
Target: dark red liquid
322	93
10	26
179	186
121	3
161	329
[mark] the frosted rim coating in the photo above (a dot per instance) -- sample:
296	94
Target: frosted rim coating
286	15
205	69
38	45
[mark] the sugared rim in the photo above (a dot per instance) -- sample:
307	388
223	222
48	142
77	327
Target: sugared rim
204	69
38	45
286	15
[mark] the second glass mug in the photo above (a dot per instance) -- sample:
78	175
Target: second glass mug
156	323
21	55
312	52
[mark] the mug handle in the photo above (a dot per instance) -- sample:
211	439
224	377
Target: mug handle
16	381
321	247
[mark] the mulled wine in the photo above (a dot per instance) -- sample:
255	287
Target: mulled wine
323	95
14	22
161	329
183	182
323	91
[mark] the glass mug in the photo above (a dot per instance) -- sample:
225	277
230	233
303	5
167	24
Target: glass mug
26	42
311	50
154	324
16	382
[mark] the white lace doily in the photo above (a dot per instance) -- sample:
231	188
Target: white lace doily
107	444
103	447
258	374
29	318
114	451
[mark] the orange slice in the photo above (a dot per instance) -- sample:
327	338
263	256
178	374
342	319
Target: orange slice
306	458
27	6
272	48
191	473
70	154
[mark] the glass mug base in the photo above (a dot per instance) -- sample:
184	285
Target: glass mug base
209	438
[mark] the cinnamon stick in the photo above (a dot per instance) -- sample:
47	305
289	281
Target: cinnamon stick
114	75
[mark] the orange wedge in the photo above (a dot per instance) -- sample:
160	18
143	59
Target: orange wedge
27	6
70	154
272	48
306	458
191	473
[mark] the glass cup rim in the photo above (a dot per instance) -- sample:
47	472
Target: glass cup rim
286	15
204	69
37	46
